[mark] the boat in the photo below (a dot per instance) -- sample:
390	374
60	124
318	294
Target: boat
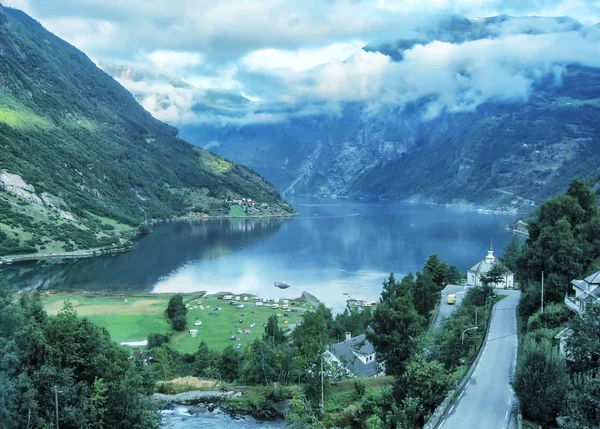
282	285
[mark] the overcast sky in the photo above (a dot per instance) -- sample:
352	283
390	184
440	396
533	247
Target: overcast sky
308	51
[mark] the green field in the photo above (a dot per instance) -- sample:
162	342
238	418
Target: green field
133	317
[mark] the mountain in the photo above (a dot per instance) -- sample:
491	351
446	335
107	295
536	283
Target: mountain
503	153
81	159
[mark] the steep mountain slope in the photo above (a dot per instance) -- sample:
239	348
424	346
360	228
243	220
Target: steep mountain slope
500	154
80	157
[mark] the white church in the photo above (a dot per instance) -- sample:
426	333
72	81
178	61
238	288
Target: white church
479	269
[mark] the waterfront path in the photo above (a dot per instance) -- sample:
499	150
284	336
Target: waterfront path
487	399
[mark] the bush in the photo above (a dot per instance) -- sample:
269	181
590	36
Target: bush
144	228
554	316
541	381
359	389
156	339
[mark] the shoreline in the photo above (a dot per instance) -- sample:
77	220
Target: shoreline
92	253
484	209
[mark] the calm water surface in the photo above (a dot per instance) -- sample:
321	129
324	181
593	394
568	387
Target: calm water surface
330	248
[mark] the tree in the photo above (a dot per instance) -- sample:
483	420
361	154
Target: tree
582	404
273	332
311	337
511	254
259	363
495	276
178	322
395	327
583	345
428	380
540	381
176	312
206	362
564	240
425	294
230	364
392	289
301	414
156	339
441	272
144	229
99	386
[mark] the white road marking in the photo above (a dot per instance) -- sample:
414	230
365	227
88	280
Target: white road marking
451	408
506	416
461	395
467	385
509	401
444	421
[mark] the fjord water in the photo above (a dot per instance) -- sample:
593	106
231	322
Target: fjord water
331	248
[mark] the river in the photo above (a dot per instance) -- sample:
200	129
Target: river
332	249
179	418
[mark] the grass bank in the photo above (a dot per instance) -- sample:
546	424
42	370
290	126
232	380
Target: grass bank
131	317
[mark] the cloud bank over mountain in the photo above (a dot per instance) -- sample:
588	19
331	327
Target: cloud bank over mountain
194	60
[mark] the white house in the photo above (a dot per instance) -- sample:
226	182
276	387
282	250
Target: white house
356	356
583	292
482	267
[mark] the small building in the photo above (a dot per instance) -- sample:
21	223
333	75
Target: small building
481	268
193	332
355	355
582	293
227	296
259	303
276	300
245	298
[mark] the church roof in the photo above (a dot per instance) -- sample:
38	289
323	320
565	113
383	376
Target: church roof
481	267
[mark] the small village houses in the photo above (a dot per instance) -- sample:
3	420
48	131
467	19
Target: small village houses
355	356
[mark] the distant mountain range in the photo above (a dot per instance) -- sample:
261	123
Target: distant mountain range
81	159
502	153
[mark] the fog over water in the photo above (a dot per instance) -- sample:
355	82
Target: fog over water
328	249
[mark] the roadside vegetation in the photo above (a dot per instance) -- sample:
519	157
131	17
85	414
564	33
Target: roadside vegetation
556	379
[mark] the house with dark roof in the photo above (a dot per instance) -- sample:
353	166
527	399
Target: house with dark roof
583	292
355	356
482	267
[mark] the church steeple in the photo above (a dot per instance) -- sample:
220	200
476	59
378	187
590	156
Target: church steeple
490	258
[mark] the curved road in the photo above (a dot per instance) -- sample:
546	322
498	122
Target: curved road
487	399
445	308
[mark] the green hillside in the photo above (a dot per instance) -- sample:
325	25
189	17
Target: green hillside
81	160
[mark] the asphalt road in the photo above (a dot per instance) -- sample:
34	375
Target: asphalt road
445	308
487	399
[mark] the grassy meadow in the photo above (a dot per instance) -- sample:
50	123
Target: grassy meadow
133	317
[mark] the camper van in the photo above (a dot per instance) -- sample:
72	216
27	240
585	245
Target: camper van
451	299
